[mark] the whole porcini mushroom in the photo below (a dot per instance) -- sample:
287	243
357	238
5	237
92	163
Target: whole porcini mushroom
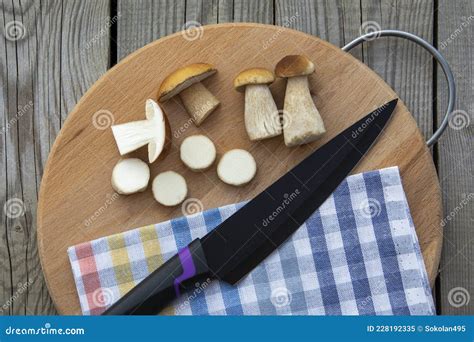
154	132
186	82
303	123
262	119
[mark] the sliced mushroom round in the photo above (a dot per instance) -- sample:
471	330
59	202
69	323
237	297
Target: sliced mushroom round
154	132
197	99
169	188
302	123
262	119
197	152
130	175
236	167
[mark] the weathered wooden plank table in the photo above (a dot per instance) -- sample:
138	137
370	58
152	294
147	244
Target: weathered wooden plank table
51	52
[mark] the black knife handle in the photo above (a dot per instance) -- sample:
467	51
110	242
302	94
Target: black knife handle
179	274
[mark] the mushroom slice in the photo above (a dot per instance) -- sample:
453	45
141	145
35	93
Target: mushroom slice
198	152
130	175
198	101
262	119
303	123
169	188
154	132
236	167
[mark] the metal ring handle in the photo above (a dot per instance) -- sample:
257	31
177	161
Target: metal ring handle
435	53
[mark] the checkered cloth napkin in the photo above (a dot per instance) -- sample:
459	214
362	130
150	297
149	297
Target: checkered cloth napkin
358	254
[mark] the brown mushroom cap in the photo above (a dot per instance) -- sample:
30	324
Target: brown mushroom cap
183	78
253	76
294	65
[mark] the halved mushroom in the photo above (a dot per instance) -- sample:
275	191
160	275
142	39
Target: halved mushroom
198	101
154	132
130	175
262	119
302	123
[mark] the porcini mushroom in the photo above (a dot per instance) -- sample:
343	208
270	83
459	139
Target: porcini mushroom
154	132
262	119
198	101
302	123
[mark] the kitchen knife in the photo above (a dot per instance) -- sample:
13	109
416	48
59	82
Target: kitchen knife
237	245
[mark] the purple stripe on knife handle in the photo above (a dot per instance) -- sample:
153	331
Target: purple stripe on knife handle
189	269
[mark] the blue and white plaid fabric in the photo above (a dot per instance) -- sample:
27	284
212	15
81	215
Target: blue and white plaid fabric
358	254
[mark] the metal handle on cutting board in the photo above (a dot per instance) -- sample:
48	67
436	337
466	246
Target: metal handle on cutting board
435	53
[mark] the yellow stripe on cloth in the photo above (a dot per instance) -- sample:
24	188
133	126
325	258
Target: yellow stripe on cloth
154	259
121	262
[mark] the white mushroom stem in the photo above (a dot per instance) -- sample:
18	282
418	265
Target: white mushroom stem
262	119
302	122
198	101
131	136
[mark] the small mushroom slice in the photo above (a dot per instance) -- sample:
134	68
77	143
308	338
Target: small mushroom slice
130	175
198	101
262	119
169	188
236	167
154	132
302	123
197	152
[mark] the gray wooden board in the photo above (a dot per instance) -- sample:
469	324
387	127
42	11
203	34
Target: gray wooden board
456	159
63	48
66	48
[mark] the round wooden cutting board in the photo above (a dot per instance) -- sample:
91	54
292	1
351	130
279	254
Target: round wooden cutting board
78	204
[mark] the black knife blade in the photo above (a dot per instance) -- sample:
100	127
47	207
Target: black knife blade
241	242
